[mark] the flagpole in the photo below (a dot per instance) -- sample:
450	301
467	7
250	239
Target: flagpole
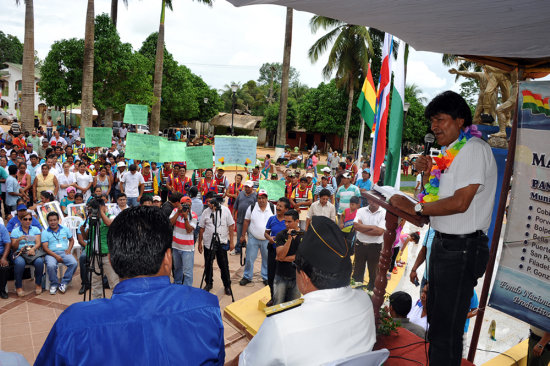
361	143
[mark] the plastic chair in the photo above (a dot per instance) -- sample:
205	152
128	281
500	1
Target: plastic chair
73	223
373	358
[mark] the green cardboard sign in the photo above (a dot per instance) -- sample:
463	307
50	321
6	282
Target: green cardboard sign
275	189
136	114
172	151
98	136
142	147
199	157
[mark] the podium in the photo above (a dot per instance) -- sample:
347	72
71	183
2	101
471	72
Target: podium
392	215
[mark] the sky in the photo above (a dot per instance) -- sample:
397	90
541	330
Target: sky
222	43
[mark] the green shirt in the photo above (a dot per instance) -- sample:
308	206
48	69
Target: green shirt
103	230
3	175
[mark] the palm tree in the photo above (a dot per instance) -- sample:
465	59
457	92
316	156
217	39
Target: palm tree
416	92
88	71
114	10
159	60
283	101
27	92
348	57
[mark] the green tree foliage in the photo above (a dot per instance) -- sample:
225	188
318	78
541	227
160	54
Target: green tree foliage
11	49
323	109
271	115
183	92
416	126
265	74
61	81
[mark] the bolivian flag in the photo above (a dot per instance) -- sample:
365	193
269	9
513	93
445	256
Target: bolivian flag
535	102
367	100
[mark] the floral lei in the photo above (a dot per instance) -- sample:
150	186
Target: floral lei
442	162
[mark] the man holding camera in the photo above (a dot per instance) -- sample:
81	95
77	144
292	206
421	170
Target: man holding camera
217	231
184	222
287	241
100	250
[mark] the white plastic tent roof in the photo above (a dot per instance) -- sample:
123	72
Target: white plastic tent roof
499	28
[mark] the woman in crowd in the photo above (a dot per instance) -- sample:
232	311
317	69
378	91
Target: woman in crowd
27	236
267	166
84	181
207	184
45	181
24	180
102	180
66	179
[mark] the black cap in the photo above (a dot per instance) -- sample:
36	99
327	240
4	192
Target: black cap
324	246
401	302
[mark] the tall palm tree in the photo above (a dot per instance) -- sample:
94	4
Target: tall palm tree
114	10
159	60
348	57
27	92
283	101
88	71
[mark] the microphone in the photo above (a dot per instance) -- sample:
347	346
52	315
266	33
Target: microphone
429	139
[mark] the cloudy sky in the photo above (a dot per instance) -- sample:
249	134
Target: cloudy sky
220	43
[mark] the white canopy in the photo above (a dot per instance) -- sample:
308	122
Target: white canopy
498	28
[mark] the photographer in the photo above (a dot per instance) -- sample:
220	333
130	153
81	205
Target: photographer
221	216
287	241
184	222
96	208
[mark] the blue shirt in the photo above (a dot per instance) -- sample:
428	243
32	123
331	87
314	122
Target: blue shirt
31	235
12	186
148	321
15	222
32	171
4	238
275	226
428	239
474	303
58	241
364	184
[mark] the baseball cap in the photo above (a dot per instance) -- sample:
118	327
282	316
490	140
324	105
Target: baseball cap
29	144
120	164
145	165
21	207
157	198
249	183
309	175
262	192
326	169
185	199
346	175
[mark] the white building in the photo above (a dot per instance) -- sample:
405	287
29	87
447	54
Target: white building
10	89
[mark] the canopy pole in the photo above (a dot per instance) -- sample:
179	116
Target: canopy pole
496	233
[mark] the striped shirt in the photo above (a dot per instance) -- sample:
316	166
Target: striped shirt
181	239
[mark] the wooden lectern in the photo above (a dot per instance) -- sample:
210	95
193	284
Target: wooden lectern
392	215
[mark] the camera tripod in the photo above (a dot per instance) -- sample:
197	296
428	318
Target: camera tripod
93	255
215	245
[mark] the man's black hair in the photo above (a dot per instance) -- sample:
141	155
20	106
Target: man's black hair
80	195
145	198
321	279
175	197
325	192
285	201
121	195
342	165
401	302
303	179
293	213
355	199
415	237
12	169
53	213
138	238
193	192
349	157
209	195
450	103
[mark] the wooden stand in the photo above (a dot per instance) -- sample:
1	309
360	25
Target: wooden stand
392	215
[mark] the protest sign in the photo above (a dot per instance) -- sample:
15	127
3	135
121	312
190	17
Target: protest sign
171	151
136	114
98	136
275	189
521	283
142	147
235	150
199	157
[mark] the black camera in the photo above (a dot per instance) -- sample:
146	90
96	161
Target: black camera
296	232
186	207
215	202
93	208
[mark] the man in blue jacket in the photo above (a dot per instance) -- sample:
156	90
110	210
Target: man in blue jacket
148	320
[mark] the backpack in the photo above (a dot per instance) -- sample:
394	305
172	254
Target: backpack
271	205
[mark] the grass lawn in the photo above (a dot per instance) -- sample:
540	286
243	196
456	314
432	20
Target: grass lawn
409	190
407	178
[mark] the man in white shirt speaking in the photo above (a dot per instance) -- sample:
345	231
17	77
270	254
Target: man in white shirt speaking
459	196
333	322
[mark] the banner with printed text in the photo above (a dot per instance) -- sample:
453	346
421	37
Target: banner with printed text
521	283
235	151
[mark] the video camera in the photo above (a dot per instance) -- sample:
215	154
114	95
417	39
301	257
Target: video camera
93	207
296	232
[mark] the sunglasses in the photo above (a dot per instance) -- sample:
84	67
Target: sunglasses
27	219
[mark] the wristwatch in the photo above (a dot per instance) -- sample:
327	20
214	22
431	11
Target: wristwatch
418	208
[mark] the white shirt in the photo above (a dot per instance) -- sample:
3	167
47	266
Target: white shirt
223	222
58	141
377	218
83	180
258	220
330	325
63	179
131	183
115	210
474	164
122	132
415	315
